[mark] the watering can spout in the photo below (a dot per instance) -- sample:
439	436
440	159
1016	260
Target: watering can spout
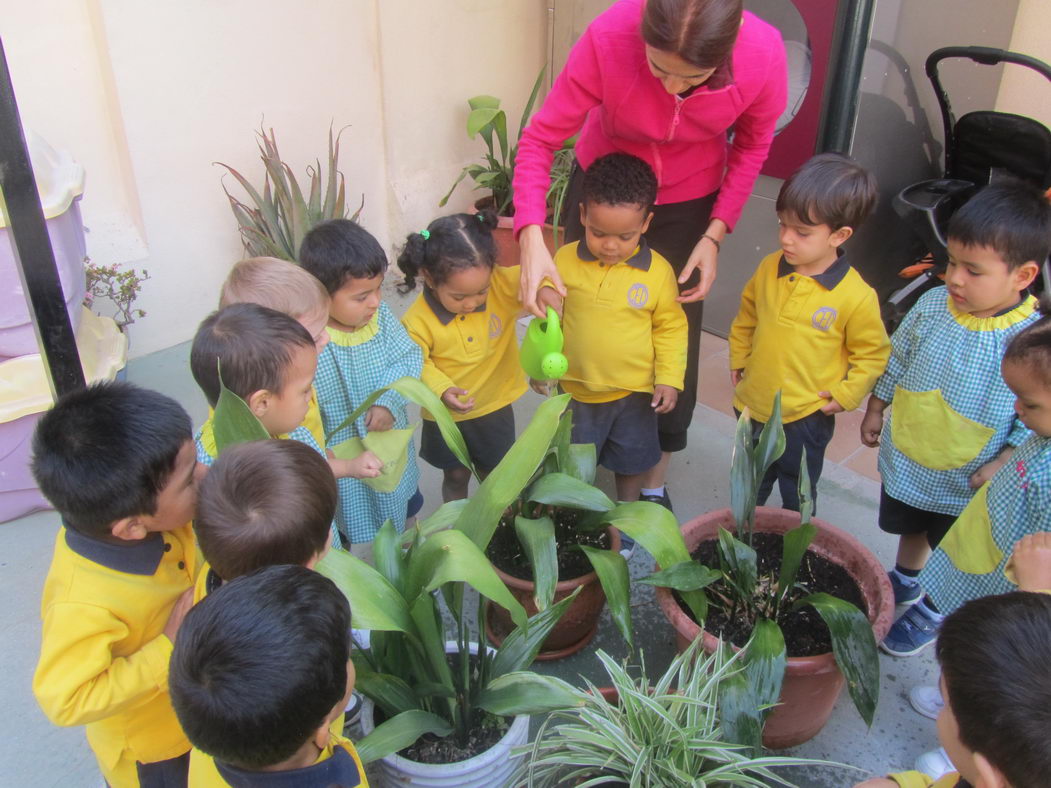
541	352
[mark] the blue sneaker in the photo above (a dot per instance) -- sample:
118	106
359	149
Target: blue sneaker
904	594
911	633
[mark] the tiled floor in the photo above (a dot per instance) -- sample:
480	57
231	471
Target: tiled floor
714	390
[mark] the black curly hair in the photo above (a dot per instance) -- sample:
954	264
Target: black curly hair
449	244
620	179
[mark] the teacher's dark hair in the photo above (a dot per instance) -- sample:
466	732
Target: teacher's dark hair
701	32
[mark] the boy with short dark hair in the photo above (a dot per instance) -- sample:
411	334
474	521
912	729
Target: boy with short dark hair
625	331
953	424
809	326
368	349
263	503
261	669
118	464
996	679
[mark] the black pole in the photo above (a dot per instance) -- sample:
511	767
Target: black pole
34	257
853	28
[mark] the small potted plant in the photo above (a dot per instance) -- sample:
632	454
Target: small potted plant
117	286
762	574
496	174
662	733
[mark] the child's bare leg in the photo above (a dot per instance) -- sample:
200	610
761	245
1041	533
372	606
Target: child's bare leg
654	477
454	483
628	487
913	551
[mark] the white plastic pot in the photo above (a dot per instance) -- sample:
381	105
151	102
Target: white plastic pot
490	769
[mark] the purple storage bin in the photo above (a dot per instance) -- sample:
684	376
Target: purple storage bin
18	492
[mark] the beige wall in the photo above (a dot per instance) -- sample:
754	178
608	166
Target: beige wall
148	95
1022	90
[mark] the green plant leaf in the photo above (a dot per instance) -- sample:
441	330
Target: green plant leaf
507	480
388	556
765	662
684	576
376	604
398	733
806	498
480	118
537	538
738	713
794	547
740	564
612	571
581	462
528	109
233	421
483	101
445	516
771	444
524	692
743	488
450	557
854	646
428	620
561	489
520	648
390	693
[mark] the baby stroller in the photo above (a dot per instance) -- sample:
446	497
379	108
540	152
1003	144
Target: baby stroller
979	147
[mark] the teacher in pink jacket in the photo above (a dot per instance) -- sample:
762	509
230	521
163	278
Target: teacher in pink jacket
694	87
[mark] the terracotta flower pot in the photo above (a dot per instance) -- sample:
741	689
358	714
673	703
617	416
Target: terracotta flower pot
507	246
812	684
577	625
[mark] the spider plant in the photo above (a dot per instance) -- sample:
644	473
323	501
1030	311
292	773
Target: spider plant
764	599
663	733
275	221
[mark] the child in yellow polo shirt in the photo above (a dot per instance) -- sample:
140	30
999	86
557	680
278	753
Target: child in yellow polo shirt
118	464
626	334
464	323
809	325
261	669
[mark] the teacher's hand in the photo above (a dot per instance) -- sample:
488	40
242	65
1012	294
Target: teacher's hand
705	259
537	266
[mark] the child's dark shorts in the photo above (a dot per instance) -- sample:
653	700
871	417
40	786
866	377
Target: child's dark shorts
624	432
487	437
897	517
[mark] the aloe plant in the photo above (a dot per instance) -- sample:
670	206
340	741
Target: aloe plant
761	600
275	221
662	733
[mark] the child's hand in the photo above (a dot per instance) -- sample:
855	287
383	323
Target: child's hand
735	376
452	399
871	427
985	473
542	387
664	398
549	297
831	406
365	466
182	607
378	419
1031	562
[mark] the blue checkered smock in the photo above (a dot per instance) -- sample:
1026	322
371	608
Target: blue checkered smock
352	366
952	410
970	561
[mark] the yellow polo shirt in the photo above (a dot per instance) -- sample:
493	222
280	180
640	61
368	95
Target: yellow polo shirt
337	765
103	656
477	352
803	335
624	330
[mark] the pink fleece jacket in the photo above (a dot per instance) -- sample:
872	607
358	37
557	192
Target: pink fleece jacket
606	87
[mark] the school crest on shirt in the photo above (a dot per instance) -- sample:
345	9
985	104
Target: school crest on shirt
496	325
638	295
824	318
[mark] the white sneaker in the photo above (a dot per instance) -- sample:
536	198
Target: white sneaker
927	701
935	764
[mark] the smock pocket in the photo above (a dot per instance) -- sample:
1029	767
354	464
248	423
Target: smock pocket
969	544
926	429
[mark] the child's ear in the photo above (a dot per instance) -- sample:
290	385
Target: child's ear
1025	274
259	402
988	775
646	224
583	213
840	236
324	733
129	529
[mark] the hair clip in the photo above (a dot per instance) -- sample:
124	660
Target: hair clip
426	234
482	218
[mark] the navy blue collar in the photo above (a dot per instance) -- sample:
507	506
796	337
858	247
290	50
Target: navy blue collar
828	279
339	771
141	557
445	317
641	260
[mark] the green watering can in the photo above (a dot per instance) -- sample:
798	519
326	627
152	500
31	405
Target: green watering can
541	352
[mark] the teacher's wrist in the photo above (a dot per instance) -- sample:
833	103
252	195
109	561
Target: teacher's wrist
717	230
530	235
